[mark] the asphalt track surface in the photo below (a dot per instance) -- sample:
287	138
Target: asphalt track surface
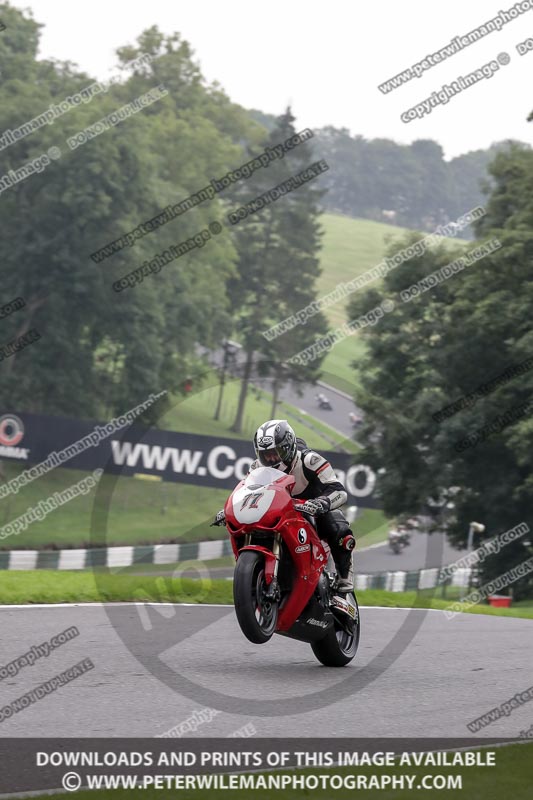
424	551
337	417
431	681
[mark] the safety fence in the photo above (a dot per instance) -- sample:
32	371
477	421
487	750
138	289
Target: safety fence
168	554
414	580
86	558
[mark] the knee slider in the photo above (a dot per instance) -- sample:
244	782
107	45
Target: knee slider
347	542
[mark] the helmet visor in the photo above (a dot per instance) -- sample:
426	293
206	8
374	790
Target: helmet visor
270	457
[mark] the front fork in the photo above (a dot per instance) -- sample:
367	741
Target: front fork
271	575
273	592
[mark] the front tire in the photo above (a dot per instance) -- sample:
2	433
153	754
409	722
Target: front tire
256	615
339	647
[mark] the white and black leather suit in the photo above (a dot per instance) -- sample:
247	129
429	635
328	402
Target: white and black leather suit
315	477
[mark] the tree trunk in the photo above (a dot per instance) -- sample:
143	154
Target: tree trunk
237	424
32	305
275	396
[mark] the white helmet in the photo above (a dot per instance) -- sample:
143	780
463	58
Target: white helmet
275	444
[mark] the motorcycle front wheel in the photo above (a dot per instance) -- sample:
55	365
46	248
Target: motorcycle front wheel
257	615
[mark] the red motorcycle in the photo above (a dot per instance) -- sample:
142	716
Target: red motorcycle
283	582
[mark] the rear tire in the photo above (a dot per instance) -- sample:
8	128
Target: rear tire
256	616
338	647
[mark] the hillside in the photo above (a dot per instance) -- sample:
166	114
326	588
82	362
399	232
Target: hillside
350	247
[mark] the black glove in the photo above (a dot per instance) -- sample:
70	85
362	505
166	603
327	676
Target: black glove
316	506
220	518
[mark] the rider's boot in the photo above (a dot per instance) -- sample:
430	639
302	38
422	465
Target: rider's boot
335	529
342	555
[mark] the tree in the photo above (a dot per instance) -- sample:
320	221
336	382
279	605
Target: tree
101	352
277	266
441	346
371	176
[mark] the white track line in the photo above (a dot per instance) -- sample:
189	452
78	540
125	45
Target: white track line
98	604
335	390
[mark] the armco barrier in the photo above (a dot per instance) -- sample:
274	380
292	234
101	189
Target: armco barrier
117	557
408	581
114	556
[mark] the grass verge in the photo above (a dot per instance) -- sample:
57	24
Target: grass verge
350	247
140	512
195	415
49	586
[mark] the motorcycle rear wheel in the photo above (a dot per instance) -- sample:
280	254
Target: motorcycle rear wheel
338	647
256	615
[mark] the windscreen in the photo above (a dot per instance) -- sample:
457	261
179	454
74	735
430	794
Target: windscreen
263	476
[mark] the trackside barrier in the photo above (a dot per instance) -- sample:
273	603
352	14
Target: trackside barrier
408	581
116	557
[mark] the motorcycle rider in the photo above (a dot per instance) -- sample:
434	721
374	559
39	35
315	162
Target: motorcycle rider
399	536
276	445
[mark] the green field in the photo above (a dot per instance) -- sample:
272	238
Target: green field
370	527
337	368
350	247
137	511
49	586
195	415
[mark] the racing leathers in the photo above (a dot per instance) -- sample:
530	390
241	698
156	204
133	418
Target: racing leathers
318	485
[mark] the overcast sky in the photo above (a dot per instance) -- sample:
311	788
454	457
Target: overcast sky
324	58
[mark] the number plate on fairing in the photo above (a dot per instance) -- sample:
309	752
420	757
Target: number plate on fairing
251	506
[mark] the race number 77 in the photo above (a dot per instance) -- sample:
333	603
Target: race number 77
253	498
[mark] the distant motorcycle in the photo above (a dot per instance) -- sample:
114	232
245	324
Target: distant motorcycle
398	539
323	402
355	419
